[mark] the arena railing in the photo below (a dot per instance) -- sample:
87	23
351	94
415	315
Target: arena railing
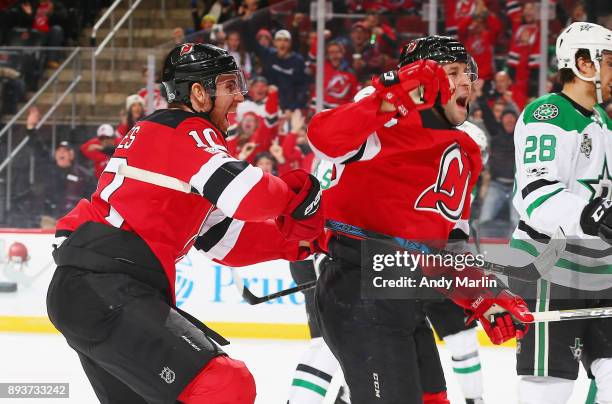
73	60
132	4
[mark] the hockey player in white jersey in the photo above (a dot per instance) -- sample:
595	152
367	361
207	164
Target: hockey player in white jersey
563	154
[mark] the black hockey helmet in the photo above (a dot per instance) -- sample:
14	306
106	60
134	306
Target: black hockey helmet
190	63
441	49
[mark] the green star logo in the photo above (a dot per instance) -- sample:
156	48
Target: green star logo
603	180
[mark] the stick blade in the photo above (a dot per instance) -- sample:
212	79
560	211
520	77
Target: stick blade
551	254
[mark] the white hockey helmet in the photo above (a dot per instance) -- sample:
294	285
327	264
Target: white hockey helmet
583	35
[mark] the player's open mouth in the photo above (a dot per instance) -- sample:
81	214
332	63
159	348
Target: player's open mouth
462	101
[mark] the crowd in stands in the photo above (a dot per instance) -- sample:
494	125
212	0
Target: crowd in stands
37	23
276	49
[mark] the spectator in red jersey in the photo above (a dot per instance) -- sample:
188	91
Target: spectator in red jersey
455	11
159	101
134	110
339	83
365	58
479	32
45	18
524	54
100	149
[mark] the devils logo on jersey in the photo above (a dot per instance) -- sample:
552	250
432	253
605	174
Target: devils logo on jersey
448	195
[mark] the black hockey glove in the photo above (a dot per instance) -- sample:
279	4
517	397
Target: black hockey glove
596	219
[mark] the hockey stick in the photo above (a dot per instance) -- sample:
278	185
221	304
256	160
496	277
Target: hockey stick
154	178
250	298
528	273
575	314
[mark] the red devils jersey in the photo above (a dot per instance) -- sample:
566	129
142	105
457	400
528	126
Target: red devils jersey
230	209
409	177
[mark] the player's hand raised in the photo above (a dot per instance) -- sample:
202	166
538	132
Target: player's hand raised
414	86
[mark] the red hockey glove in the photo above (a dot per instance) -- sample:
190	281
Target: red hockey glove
395	86
302	219
510	313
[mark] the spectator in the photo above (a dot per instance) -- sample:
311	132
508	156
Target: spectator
383	36
339	83
257	99
501	161
577	14
285	69
221	10
178	35
455	11
266	162
264	38
134	110
43	18
524	54
67	182
479	33
235	47
159	101
12	85
100	149
365	59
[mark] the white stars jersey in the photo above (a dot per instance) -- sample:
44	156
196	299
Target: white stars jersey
563	159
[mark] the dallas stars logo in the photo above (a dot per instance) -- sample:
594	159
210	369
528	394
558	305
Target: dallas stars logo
577	349
545	112
586	27
600	186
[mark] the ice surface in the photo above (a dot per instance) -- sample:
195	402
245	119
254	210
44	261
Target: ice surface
47	358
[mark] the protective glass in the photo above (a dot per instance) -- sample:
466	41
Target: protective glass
230	83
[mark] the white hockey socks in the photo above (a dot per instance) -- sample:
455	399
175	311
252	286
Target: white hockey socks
602	370
544	390
313	374
463	348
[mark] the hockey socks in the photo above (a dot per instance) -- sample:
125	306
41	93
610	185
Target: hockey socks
463	348
313	374
222	381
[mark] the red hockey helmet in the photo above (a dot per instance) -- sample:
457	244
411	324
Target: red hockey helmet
18	252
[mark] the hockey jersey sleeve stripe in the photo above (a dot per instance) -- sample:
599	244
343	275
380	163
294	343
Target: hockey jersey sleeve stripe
562	263
221	178
533	233
535	185
212	237
541	200
199	179
232	195
227	241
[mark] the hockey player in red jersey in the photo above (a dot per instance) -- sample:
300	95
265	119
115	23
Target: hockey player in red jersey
112	295
401	169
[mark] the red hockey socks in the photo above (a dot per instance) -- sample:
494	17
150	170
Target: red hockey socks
222	381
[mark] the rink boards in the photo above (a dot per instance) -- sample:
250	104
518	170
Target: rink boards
203	288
